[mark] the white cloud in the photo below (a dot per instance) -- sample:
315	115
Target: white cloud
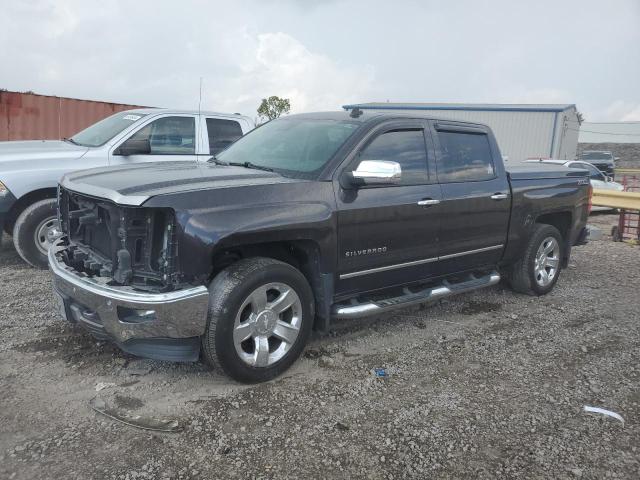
312	81
542	95
623	111
632	116
324	54
616	111
88	51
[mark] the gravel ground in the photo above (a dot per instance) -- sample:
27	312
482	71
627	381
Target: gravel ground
485	385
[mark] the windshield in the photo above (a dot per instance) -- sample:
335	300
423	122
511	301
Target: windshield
103	131
294	147
596	156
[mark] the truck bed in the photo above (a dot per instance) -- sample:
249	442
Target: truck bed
533	171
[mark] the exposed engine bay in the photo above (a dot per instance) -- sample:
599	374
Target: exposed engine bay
133	246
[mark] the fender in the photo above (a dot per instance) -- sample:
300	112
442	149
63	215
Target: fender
232	219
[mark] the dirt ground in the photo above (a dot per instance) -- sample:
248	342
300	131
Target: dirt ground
486	385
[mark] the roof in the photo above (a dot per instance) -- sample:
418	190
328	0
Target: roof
337	115
178	111
548	160
493	107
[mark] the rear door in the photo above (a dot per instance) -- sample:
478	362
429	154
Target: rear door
386	234
476	198
171	137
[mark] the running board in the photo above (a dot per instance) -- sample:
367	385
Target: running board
356	309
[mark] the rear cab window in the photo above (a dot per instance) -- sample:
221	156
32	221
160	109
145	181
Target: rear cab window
222	133
465	157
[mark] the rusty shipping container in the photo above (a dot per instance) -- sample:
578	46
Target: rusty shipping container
29	116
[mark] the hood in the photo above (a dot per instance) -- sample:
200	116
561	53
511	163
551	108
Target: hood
134	184
16	153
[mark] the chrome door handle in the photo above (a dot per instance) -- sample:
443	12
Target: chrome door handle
429	201
499	196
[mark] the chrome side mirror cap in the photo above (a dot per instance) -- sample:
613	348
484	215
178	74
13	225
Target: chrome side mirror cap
376	172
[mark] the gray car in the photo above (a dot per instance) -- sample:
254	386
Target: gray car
30	170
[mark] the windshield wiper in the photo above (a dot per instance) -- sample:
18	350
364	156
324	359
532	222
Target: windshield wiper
250	165
70	140
215	160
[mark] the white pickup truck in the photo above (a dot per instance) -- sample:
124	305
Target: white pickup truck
30	170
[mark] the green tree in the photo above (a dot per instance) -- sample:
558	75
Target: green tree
273	107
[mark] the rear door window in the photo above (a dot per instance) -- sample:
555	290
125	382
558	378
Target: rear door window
222	133
170	136
466	157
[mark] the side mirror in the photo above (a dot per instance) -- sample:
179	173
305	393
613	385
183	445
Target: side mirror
616	158
375	172
609	179
134	146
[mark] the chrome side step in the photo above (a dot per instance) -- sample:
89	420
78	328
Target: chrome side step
355	309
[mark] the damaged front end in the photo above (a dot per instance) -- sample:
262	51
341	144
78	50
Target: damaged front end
122	245
115	273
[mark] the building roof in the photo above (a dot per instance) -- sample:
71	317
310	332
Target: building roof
494	107
610	132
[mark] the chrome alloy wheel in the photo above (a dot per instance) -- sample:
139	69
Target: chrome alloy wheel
267	324
547	261
43	234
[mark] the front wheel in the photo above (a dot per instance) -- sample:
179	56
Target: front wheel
32	230
537	271
260	318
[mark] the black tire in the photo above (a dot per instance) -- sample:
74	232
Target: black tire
228	292
522	277
24	231
615	234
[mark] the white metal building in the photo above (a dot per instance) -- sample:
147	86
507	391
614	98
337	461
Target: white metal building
522	130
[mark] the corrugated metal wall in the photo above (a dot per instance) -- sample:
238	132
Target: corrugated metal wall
520	135
29	116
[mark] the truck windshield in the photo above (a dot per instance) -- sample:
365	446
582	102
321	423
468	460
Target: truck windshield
103	131
596	156
294	147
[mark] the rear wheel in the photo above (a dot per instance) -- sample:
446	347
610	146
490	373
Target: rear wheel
32	230
537	271
260	318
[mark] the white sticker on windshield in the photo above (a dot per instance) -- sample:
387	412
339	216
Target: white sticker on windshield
133	118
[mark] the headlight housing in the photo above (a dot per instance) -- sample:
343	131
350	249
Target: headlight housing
3	189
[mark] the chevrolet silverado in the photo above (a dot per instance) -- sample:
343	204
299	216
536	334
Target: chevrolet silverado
308	219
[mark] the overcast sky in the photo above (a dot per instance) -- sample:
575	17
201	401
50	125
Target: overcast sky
323	54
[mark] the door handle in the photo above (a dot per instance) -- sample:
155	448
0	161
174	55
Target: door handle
499	196
428	202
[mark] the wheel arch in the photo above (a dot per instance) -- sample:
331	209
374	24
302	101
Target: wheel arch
302	254
562	221
24	201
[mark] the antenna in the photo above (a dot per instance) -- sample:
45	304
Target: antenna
355	113
200	97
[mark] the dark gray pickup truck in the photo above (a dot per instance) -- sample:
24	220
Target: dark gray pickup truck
307	219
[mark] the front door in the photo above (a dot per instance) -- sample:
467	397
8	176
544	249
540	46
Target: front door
476	198
171	138
389	234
